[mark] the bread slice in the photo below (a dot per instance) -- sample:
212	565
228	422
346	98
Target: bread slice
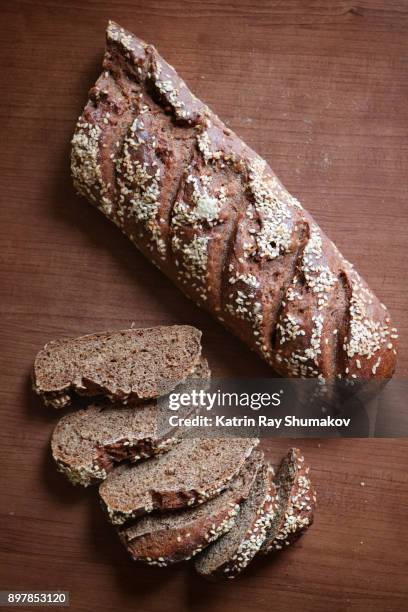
166	538
133	363
86	444
192	472
296	499
229	555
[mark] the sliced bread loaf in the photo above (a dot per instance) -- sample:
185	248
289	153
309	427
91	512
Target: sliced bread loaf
192	472
296	499
162	539
131	363
229	555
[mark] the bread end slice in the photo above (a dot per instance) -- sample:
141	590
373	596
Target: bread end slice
297	501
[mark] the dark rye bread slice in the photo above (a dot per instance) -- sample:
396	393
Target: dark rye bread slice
86	444
139	364
171	537
296	499
191	473
229	555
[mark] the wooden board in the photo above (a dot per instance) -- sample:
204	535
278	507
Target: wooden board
319	88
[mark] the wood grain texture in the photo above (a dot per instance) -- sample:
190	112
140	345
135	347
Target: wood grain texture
319	88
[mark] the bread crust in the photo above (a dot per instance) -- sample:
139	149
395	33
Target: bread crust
295	516
165	549
210	213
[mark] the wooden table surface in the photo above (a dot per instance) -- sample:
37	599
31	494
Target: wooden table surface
320	89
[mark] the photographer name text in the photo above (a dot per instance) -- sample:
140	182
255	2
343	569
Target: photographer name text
258	421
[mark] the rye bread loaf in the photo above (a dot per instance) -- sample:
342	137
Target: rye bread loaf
86	444
171	537
296	503
233	552
192	472
139	364
212	215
